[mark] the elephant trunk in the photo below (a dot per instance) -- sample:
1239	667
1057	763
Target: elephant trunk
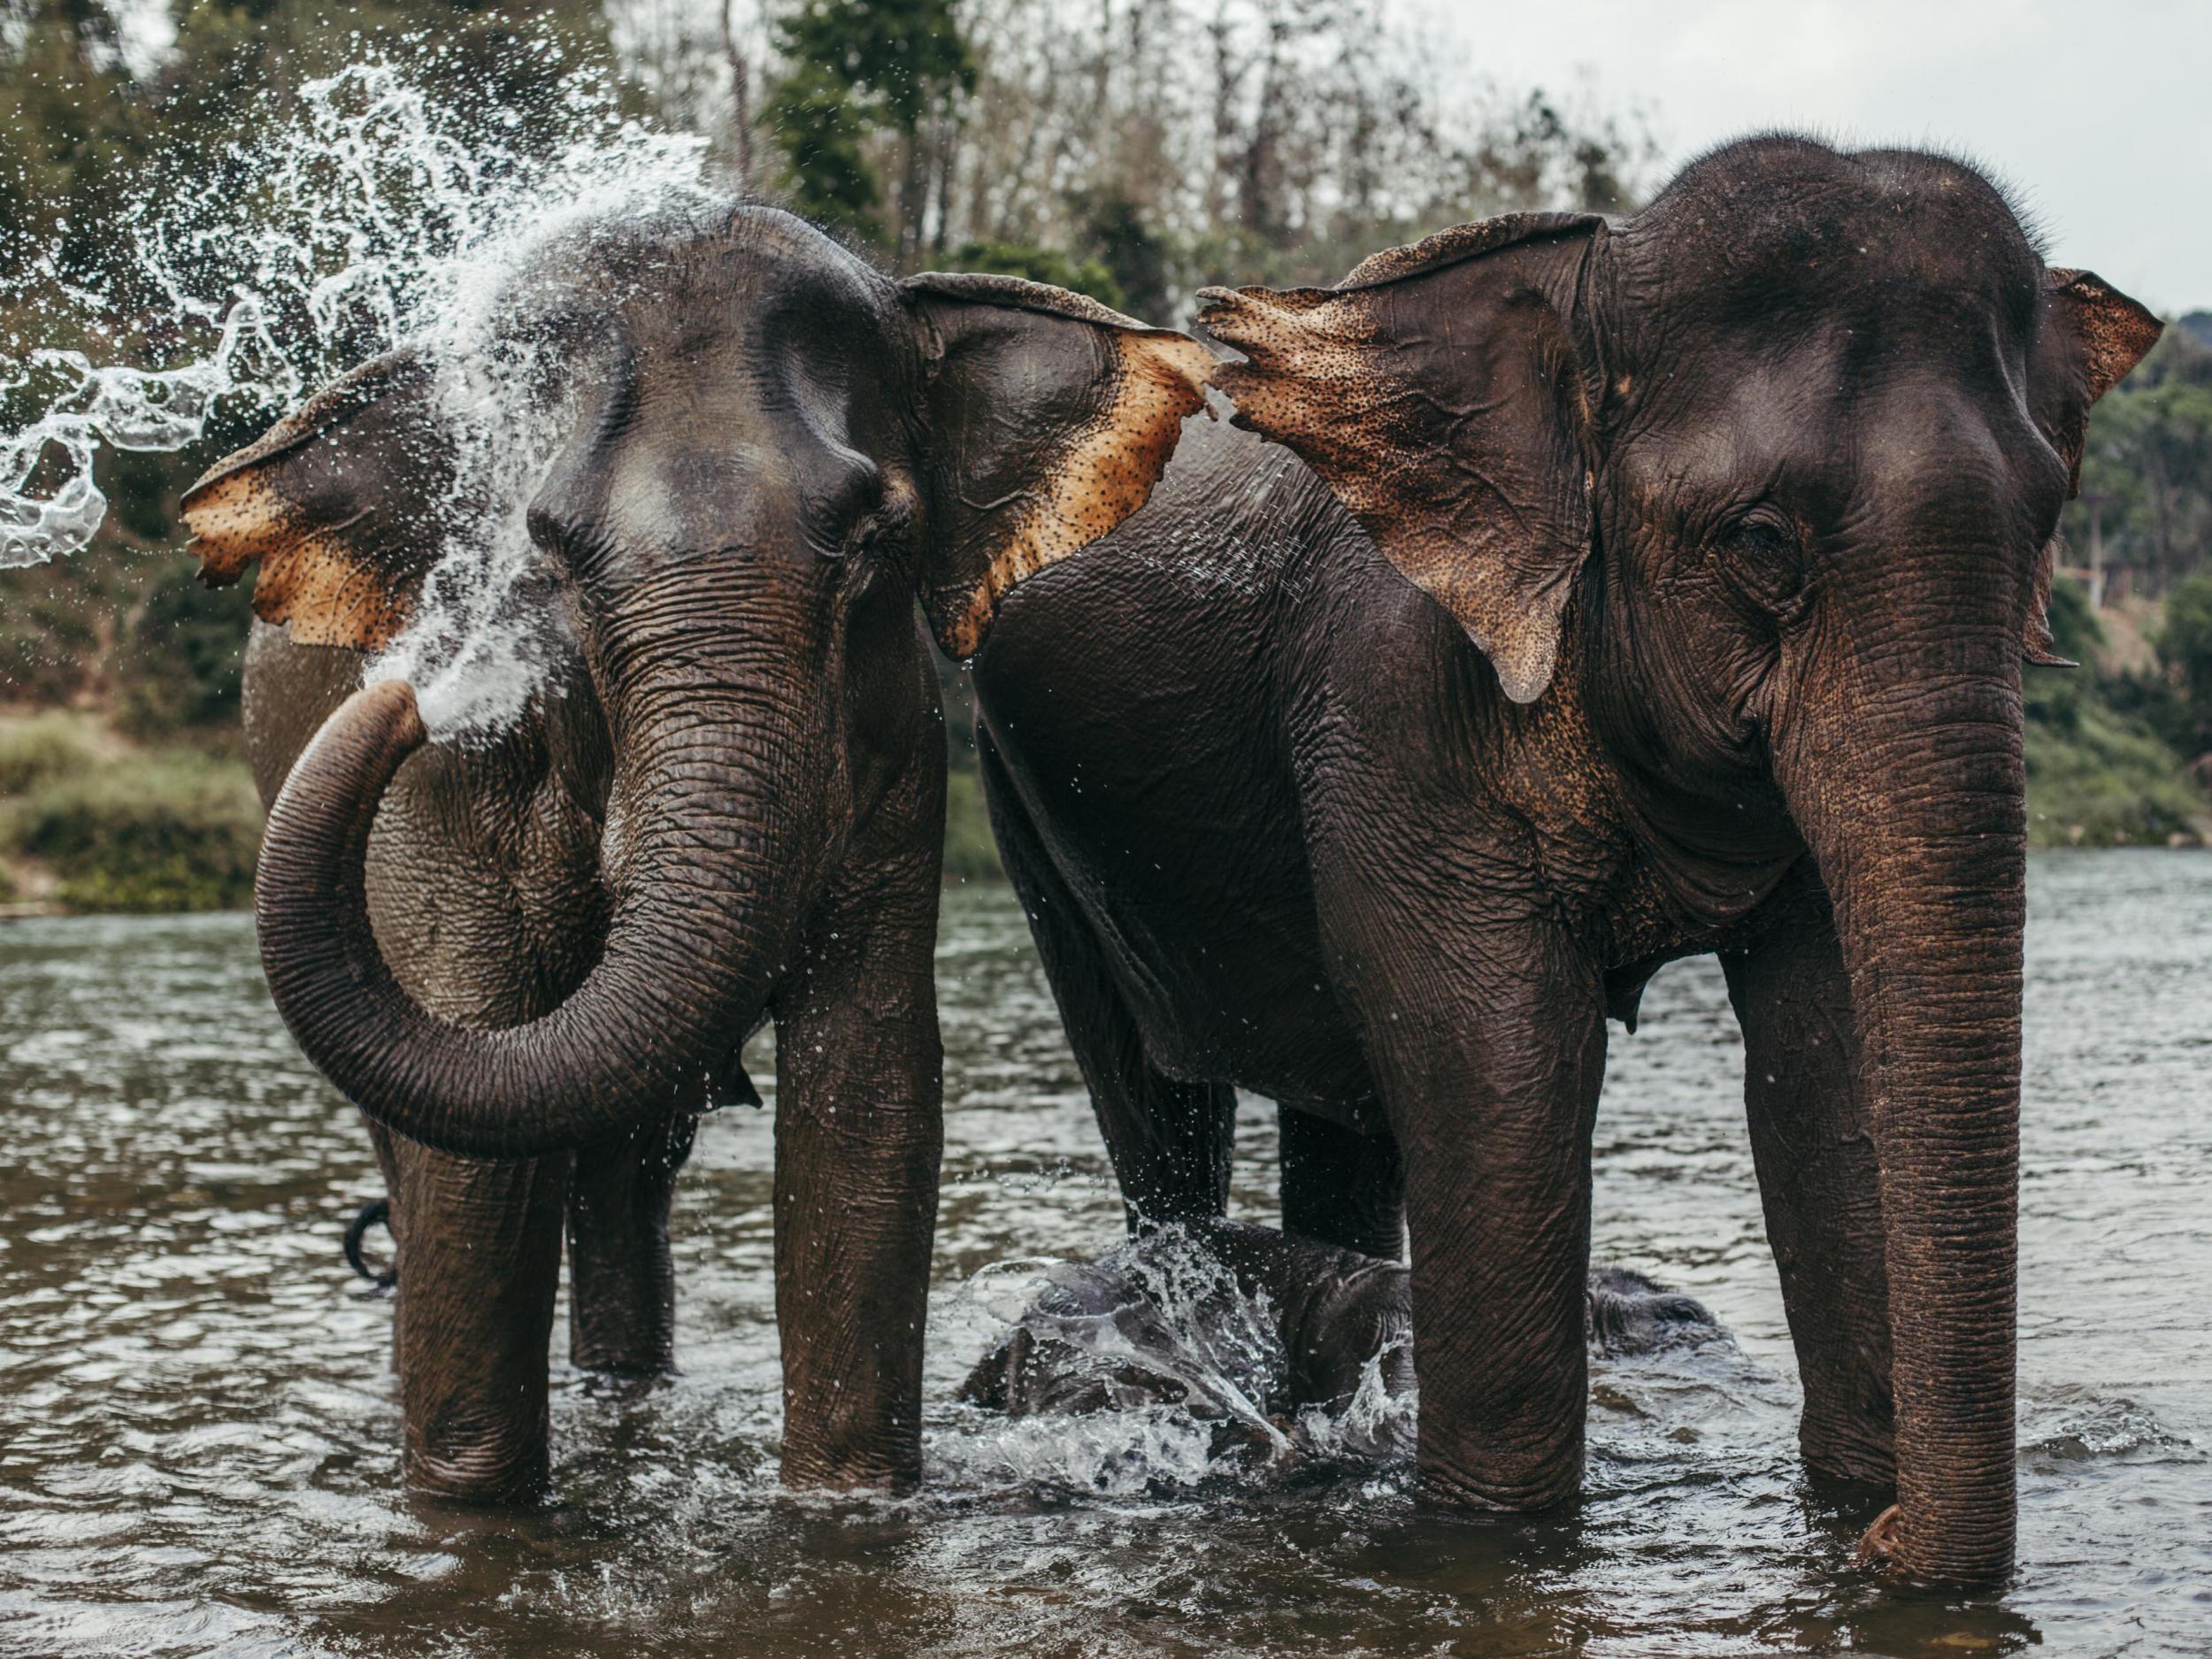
1909	788
707	909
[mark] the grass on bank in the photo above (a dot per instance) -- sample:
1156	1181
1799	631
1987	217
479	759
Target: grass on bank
92	823
2098	777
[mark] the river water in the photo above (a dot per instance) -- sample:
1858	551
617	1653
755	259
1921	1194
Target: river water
199	1430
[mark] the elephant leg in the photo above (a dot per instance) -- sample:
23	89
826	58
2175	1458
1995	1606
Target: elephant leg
1341	1187
859	1134
479	1253
1488	1037
1819	1182
1169	1140
387	1147
622	1282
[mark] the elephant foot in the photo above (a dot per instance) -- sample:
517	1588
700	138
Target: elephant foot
1858	1453
468	1457
630	1343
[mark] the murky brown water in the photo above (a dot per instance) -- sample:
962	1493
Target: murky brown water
198	1429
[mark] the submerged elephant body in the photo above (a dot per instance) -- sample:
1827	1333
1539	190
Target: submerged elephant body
1113	1334
1635	590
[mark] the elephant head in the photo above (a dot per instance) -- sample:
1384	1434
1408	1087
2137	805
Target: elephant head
770	452
1768	475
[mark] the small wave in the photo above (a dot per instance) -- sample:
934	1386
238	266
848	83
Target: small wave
2109	1429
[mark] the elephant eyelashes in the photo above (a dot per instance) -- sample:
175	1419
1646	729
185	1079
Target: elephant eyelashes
881	533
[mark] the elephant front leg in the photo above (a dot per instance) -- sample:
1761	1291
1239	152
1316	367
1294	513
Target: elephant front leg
1819	1182
859	1132
1490	1049
622	1280
480	1256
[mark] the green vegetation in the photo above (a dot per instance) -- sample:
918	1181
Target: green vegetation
2107	745
970	855
95	824
2185	643
2145	511
1133	152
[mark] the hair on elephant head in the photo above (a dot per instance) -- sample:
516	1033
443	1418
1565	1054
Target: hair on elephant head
1761	486
768	451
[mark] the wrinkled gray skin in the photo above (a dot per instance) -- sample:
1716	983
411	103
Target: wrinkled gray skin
1096	1338
484	889
530	961
1620	592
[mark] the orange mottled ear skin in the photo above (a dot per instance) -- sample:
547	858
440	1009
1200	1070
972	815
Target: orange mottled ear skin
338	502
2092	335
1051	419
1435	393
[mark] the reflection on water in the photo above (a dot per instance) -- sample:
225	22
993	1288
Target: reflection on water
198	1433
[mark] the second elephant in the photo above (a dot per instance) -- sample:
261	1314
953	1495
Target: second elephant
1619	591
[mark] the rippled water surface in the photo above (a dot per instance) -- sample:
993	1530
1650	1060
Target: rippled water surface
198	1433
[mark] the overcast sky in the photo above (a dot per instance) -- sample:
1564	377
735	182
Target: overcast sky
2099	115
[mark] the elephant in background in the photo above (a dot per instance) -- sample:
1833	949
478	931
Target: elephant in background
530	960
1617	592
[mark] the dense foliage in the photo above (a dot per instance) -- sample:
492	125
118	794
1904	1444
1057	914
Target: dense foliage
1132	149
2146	503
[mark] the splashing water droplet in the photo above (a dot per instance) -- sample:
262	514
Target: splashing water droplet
375	220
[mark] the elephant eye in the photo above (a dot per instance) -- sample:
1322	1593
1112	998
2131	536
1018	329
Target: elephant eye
884	529
1763	538
1763	557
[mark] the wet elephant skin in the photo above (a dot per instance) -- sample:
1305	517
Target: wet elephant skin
532	958
1608	593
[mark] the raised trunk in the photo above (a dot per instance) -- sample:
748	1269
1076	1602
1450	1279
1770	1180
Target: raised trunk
697	937
1911	797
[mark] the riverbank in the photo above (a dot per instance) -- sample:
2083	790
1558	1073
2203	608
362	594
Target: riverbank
93	820
90	820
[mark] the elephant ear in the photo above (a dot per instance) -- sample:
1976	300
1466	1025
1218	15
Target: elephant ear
1435	391
2090	336
340	502
1051	419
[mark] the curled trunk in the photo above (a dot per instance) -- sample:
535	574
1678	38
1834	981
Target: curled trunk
690	954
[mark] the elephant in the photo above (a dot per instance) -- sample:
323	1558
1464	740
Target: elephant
1099	1335
531	958
1569	596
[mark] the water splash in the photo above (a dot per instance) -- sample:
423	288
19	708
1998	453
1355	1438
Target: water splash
1165	1375
375	220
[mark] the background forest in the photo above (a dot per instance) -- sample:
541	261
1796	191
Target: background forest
1133	149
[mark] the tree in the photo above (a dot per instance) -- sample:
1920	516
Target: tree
2185	645
857	65
2146	467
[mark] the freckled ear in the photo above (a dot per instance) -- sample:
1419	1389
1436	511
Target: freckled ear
1436	393
1051	419
337	502
2091	336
